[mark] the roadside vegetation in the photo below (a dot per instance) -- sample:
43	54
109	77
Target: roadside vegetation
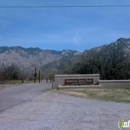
111	63
107	94
12	75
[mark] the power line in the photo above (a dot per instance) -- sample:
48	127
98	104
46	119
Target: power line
89	6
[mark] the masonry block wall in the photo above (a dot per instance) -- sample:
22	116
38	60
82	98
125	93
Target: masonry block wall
114	83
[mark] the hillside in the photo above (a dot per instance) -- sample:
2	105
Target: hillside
108	60
62	65
28	58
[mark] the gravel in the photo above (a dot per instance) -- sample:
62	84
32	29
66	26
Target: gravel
52	111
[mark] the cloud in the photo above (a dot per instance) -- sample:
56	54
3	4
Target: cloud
77	39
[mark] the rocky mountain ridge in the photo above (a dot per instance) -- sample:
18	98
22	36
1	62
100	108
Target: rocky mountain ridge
121	44
29	58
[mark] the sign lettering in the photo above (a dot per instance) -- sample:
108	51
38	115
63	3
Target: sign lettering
78	81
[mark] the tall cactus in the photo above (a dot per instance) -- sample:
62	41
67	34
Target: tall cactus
39	76
35	75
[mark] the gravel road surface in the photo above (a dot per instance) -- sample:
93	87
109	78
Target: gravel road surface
16	95
33	107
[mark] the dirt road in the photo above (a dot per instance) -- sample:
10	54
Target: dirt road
33	107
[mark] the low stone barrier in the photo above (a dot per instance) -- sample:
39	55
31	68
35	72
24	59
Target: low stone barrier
114	83
81	86
76	80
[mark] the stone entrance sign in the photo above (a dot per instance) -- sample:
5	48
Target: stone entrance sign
76	79
78	82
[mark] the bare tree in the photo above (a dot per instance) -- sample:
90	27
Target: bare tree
23	75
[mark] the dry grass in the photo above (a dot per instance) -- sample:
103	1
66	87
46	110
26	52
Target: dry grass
11	83
73	93
15	82
108	94
3	87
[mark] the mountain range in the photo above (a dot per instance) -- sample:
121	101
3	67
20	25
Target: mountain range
52	60
29	58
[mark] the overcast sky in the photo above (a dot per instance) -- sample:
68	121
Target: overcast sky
58	28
